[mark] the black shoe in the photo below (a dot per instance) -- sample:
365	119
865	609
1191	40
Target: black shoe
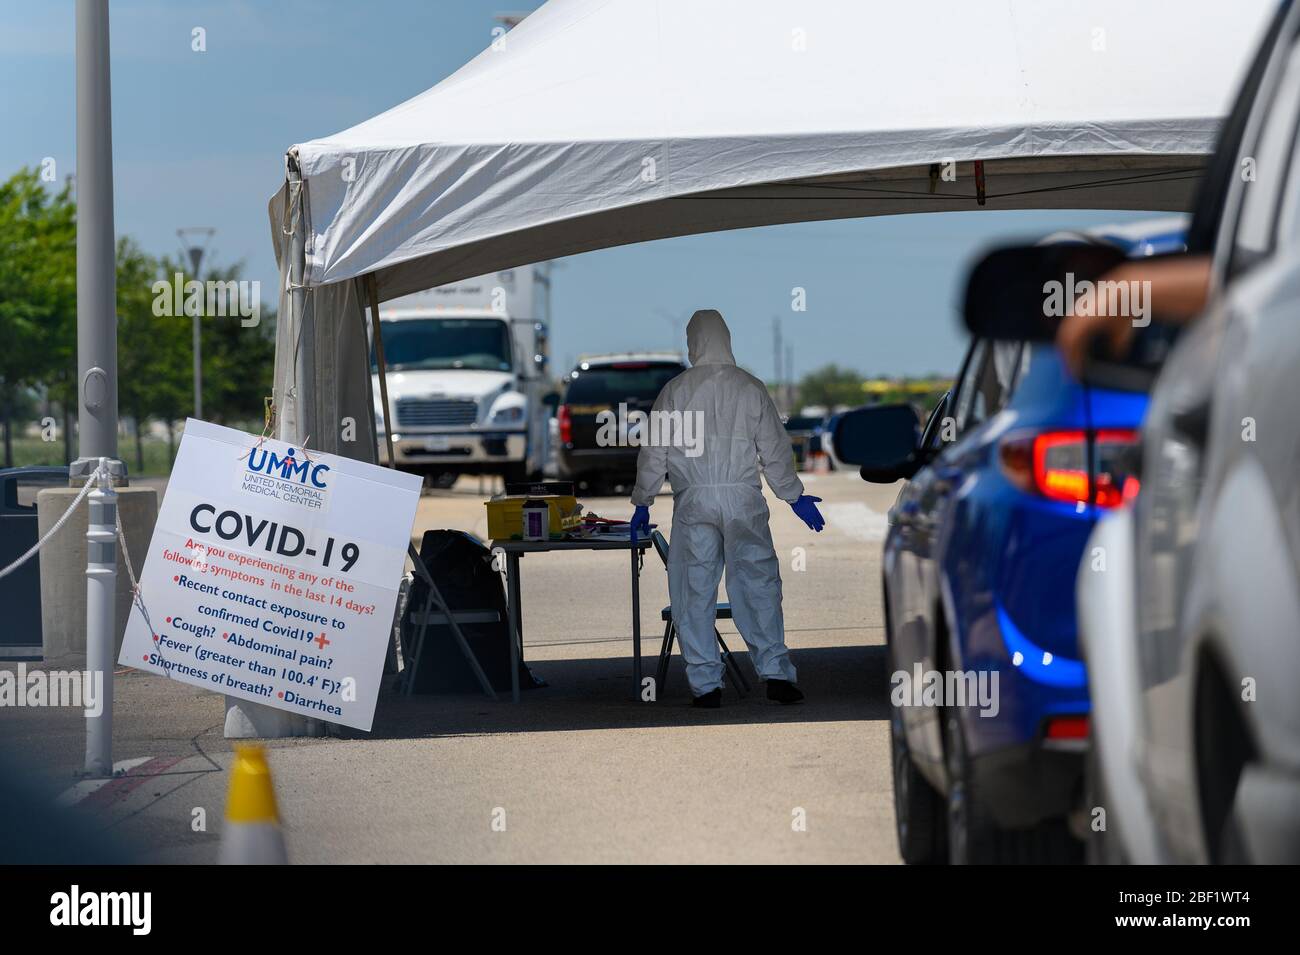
783	691
709	701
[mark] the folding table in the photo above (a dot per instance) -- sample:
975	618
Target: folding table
514	549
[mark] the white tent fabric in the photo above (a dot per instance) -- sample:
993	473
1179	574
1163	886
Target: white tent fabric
597	123
593	106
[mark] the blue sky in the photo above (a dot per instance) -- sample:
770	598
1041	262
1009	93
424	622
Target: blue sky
199	140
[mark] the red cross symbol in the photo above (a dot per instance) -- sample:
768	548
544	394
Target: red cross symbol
322	642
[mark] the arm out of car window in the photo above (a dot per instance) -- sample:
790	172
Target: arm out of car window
1171	291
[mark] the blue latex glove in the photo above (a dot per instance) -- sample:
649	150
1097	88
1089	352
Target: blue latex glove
640	522
806	508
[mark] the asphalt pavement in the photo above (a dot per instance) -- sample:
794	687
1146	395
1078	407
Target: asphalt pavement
579	771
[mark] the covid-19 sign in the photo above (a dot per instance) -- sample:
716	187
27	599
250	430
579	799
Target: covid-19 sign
273	574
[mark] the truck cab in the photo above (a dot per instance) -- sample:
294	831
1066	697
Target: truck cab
465	370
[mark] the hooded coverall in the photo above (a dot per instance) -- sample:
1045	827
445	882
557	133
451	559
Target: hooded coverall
719	513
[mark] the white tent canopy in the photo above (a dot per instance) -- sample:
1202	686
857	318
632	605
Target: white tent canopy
597	123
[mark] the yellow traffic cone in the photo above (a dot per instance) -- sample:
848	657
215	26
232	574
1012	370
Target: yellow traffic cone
251	835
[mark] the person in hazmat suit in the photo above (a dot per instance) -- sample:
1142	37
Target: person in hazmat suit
716	425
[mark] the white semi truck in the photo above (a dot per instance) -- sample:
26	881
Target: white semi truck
467	377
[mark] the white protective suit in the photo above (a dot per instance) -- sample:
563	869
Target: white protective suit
719	513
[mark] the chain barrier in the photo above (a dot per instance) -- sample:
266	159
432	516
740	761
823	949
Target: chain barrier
35	548
100	472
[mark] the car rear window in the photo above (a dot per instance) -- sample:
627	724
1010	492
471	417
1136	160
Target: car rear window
610	384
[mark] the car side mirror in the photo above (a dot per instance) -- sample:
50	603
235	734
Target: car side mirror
881	440
1021	293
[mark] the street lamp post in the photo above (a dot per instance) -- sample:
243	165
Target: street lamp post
97	362
195	252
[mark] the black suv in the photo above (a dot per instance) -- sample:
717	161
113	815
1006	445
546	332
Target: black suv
598	449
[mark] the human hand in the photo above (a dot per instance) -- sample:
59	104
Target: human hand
806	508
640	521
1175	291
1075	337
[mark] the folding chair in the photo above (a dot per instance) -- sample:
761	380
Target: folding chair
722	612
443	616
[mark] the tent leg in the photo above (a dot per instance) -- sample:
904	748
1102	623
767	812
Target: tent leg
372	292
244	718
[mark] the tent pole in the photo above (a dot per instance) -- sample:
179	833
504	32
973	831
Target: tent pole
372	291
246	719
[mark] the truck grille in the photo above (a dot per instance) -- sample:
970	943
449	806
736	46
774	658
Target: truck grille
436	412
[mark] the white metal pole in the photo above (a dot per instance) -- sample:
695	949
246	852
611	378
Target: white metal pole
195	253
96	252
101	617
97	363
198	370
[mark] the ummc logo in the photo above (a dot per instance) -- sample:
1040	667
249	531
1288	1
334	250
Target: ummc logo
287	468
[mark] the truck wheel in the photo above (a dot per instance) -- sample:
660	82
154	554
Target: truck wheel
516	472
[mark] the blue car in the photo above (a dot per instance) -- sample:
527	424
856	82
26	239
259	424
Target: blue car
1004	483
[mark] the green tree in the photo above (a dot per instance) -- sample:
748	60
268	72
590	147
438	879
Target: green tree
238	359
38	325
831	385
153	353
38	295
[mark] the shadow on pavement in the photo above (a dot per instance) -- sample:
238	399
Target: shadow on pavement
842	683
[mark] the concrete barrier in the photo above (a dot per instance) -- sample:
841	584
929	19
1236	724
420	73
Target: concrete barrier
248	720
63	564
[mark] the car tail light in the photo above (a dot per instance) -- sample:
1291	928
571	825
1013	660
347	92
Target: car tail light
1115	453
1059	465
566	423
1067	727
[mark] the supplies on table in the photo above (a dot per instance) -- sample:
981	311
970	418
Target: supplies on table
537	519
595	526
506	515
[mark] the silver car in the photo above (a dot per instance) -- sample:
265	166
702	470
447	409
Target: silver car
1191	620
1189	598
